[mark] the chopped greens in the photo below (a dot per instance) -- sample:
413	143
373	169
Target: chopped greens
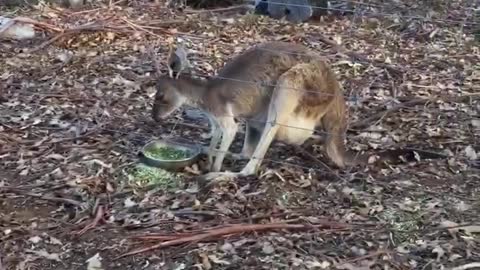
166	153
142	175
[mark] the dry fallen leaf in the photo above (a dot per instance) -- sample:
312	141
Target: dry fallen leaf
471	229
267	248
470	153
46	255
95	262
73	114
439	251
205	261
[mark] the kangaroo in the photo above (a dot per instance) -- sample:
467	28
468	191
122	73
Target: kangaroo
283	90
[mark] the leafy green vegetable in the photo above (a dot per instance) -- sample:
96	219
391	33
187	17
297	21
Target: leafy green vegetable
142	175
166	153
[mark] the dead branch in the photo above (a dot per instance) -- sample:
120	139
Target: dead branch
226	9
234	229
37	23
83	28
101	26
43	197
139	27
190	212
98	217
467	266
367	256
162	237
48	42
163	23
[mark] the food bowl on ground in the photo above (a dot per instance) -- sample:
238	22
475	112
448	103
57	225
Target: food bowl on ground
169	155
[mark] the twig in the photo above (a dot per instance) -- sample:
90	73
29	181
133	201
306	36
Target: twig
48	42
30	187
96	9
367	256
94	223
83	136
37	23
467	266
9	137
232	8
190	212
85	11
214	233
92	26
163	23
139	27
233	229
47	198
161	237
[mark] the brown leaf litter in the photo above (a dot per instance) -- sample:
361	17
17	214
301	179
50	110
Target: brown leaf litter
74	111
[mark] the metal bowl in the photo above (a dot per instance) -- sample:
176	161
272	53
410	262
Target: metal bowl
174	164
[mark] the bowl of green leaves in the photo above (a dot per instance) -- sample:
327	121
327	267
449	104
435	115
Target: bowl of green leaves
169	155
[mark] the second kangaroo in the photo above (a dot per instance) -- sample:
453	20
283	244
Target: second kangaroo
283	90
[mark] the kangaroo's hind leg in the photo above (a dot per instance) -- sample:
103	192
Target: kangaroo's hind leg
252	137
334	123
282	106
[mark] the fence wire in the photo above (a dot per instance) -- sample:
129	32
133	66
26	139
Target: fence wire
377	13
179	122
424	102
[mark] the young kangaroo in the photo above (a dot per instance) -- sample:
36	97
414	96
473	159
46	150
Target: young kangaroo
283	90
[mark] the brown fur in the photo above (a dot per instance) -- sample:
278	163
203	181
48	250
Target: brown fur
307	94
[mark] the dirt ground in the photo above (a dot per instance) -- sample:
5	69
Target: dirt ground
75	111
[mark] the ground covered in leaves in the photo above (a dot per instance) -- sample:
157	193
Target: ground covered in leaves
75	111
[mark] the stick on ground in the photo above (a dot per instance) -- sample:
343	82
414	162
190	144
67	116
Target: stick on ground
234	229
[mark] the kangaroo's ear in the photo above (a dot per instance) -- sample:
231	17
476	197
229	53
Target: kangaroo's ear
151	52
177	61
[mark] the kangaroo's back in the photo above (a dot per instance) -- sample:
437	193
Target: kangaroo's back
247	81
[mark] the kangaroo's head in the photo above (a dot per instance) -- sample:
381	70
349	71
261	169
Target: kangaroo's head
167	99
169	86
